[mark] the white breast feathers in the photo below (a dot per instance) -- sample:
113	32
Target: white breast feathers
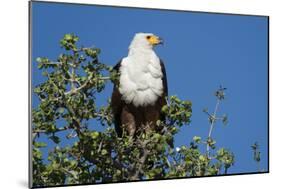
141	78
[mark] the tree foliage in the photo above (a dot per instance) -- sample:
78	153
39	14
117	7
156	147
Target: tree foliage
68	111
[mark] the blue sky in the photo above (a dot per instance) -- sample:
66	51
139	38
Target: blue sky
201	52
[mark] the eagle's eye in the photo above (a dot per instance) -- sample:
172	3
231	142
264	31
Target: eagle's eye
148	37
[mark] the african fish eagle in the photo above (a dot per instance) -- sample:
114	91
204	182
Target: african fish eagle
139	95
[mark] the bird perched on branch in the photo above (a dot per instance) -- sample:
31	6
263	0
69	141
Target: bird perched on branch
141	91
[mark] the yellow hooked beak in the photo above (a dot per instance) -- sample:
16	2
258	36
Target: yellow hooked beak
154	40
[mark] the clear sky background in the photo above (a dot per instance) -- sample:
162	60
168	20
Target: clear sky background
201	52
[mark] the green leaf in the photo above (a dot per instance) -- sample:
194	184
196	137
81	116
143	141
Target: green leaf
61	110
202	158
95	135
197	139
165	109
38	59
37	90
40	144
45	73
40	66
68	37
103	152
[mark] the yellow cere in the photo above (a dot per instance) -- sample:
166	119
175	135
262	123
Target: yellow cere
153	40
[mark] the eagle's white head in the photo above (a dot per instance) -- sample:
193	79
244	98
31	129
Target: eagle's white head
141	74
145	41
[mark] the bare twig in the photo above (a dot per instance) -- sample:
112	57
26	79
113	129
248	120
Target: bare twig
44	131
213	120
